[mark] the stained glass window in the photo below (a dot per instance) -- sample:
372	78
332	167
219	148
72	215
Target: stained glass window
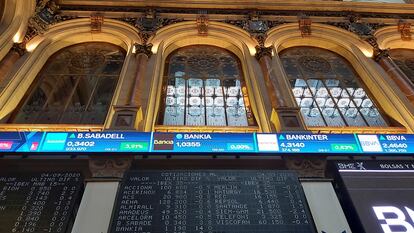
76	86
404	58
328	90
204	86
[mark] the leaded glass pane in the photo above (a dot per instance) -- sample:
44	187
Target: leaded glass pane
327	89
204	87
404	58
75	86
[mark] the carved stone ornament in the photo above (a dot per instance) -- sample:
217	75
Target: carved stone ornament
262	51
109	168
148	24
202	25
307	167
405	29
19	48
143	49
45	15
305	26
378	53
96	23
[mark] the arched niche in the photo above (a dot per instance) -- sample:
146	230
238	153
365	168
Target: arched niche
221	35
354	50
60	36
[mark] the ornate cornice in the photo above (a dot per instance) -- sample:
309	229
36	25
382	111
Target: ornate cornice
148	24
357	25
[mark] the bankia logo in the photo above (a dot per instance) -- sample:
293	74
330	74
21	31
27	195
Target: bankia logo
395	220
163	141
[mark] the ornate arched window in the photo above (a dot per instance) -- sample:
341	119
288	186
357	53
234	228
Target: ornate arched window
75	86
328	90
204	86
404	58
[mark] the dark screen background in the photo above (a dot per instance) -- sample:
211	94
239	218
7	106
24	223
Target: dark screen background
383	188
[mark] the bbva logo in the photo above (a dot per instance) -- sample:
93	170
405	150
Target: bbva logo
395	219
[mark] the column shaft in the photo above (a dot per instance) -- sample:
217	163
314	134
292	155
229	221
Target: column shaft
135	94
398	76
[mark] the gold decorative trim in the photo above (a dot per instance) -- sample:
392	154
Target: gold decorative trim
209	129
46	127
369	130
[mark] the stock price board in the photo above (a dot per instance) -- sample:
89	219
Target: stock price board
204	201
40	202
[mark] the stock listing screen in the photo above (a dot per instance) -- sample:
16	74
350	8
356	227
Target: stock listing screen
195	201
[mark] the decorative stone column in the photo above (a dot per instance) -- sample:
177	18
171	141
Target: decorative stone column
395	73
129	116
6	65
95	210
284	116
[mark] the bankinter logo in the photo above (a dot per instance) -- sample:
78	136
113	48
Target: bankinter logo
163	141
395	219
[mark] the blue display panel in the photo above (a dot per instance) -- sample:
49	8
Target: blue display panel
387	143
203	142
307	143
236	143
74	142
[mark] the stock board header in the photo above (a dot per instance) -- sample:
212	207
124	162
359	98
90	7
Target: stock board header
181	143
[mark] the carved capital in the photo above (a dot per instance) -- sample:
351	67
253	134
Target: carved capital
378	53
405	30
96	23
307	167
109	168
381	53
202	25
19	48
143	49
262	51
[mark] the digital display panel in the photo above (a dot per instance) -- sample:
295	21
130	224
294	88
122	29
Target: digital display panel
196	201
39	202
308	143
387	143
380	195
203	142
181	143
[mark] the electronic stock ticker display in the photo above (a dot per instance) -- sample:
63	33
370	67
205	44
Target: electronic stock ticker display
39	202
207	201
208	143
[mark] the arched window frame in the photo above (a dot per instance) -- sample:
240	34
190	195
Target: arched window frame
221	35
78	73
61	35
359	53
205	120
335	99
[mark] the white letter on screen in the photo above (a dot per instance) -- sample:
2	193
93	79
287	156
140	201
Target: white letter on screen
398	221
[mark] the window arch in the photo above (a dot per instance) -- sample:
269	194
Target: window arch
75	86
328	90
204	86
404	58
